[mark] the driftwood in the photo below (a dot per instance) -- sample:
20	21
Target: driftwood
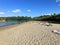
55	31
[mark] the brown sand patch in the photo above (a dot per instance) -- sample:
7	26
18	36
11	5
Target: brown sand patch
30	34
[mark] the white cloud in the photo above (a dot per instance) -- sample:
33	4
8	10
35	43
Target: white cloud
8	11
57	0
16	10
2	13
28	10
24	14
59	5
47	14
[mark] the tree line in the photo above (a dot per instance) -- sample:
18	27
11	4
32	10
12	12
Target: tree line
16	18
51	18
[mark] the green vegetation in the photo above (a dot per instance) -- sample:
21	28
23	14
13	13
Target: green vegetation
54	18
14	18
2	19
51	18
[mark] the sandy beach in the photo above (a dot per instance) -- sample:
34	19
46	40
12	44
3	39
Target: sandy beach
29	33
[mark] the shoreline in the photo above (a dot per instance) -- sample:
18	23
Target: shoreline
11	26
8	27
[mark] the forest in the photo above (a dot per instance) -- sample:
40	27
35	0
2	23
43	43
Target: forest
50	18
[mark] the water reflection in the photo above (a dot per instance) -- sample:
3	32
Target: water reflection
8	23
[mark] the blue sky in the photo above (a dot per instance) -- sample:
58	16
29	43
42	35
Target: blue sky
28	7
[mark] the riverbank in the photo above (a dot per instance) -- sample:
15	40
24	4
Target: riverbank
30	33
11	26
8	27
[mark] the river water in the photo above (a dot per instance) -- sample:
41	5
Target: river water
8	23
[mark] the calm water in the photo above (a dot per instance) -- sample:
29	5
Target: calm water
8	23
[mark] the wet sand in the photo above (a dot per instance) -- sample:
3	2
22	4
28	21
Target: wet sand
30	33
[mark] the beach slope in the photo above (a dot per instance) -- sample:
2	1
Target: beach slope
30	33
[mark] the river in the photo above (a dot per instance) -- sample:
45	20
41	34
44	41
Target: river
8	23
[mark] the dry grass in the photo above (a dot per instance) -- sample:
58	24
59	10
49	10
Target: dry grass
30	33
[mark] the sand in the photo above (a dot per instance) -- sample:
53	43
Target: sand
30	33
